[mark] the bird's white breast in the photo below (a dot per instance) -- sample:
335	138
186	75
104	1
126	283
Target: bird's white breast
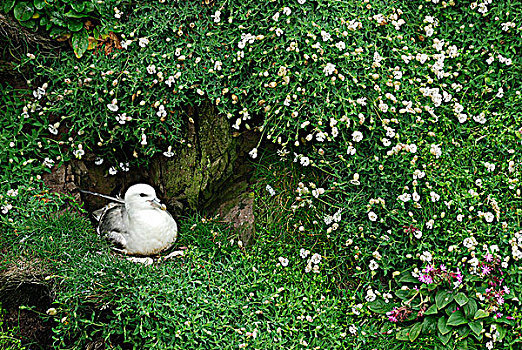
150	231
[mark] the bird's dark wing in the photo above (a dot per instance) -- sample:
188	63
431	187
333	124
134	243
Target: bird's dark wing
113	223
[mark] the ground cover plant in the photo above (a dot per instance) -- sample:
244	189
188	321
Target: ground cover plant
387	182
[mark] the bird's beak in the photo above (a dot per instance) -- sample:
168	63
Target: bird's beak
157	204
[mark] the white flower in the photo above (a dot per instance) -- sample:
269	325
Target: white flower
143	42
303	253
151	69
112	170
98	161
253	153
434	196
417	234
287	11
124	167
315	259
435	150
162	113
53	130
301	2
426	256
169	152
357	136
373	265
405	197
350	150
489	166
48	162
5	208
216	16
370	295
329	69
270	190
415	196
78	153
372	216
352	329
489	216
340	45
469	242
305	161
283	261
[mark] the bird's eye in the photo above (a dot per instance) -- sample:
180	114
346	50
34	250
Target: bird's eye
143	195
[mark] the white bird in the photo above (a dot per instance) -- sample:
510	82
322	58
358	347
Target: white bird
139	223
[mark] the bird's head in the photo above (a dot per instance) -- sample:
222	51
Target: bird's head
143	196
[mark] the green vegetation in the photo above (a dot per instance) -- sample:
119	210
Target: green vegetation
388	210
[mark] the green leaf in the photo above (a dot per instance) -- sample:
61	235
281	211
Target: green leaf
407	277
78	6
75	25
39	4
503	319
80	42
442	325
501	332
429	325
8	5
462	345
463	331
480	314
470	308
444	338
403	294
461	299
23	11
415	331
403	334
476	327
443	298
74	14
28	24
456	318
432	310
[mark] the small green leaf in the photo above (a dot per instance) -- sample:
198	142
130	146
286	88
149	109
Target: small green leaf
407	277
503	319
443	298
456	318
39	4
476	327
501	332
8	5
74	25
415	331
480	314
23	11
429	325
442	325
444	338
403	334
461	299
80	42
432	310
78	6
470	308
462	345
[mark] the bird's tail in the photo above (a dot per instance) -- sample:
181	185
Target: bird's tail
114	199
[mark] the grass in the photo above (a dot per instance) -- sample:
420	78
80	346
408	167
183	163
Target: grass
392	182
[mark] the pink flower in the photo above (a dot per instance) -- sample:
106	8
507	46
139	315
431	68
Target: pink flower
486	270
500	300
488	257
